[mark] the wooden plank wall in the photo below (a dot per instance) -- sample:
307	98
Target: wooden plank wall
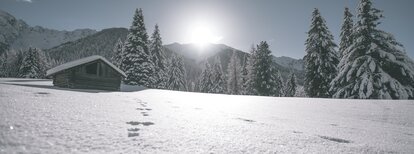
77	78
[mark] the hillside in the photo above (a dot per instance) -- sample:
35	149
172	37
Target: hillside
16	34
290	62
100	43
38	118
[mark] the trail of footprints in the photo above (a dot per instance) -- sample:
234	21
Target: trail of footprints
133	132
144	110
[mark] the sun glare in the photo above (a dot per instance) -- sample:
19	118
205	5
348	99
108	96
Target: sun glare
203	34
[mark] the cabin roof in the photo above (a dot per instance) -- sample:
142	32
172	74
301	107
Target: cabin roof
78	62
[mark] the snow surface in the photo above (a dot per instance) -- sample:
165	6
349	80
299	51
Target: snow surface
80	62
38	118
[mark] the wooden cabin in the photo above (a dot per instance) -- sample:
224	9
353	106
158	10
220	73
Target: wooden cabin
94	72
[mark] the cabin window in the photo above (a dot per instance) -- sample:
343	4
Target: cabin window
92	69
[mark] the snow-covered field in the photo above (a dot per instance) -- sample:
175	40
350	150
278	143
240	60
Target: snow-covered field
38	118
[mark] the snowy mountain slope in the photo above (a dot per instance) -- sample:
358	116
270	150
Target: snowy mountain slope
100	43
193	51
290	62
19	35
38	118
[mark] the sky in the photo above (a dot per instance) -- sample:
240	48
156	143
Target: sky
236	23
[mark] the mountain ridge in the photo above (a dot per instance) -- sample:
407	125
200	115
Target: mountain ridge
17	34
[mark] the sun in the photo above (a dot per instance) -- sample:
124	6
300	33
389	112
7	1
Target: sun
203	34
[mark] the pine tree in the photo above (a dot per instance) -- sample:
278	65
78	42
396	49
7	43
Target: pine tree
158	58
32	65
262	70
205	83
136	61
375	66
14	61
291	86
177	74
234	81
117	53
3	65
244	76
251	73
346	31
276	83
321	58
218	78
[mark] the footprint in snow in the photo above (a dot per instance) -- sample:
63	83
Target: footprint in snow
133	129
141	109
144	114
132	134
134	123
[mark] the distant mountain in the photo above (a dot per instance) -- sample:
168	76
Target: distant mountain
16	34
100	43
290	62
197	53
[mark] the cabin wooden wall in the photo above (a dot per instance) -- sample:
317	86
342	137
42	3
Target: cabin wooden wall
105	79
62	79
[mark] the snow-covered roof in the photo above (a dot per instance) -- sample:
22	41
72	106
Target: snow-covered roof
80	62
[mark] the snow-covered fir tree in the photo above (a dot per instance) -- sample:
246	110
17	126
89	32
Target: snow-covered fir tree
158	58
234	79
33	64
3	65
291	86
261	70
375	66
244	76
205	83
346	31
14	61
248	88
136	61
177	74
321	58
276	83
218	77
117	53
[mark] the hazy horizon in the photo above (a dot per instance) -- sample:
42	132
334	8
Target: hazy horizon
238	24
